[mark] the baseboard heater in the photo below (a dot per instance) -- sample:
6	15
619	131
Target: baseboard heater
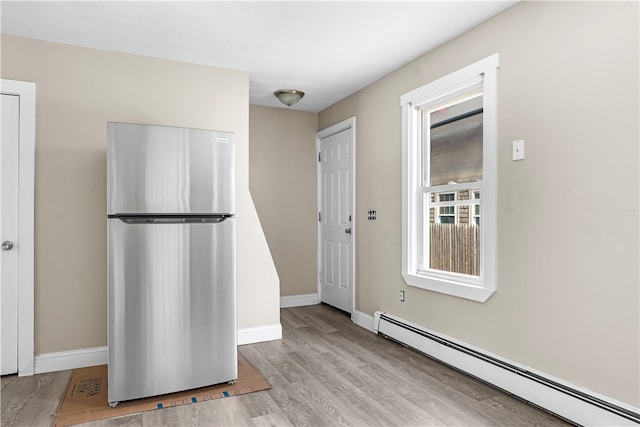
563	400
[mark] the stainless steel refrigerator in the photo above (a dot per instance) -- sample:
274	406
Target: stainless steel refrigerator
171	260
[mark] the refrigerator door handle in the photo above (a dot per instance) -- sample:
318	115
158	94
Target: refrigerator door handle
174	220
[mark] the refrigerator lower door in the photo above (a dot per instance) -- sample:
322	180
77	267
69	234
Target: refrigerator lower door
172	307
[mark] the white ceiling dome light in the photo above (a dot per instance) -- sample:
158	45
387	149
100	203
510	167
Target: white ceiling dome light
289	97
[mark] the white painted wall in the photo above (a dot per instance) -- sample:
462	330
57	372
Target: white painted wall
568	298
79	90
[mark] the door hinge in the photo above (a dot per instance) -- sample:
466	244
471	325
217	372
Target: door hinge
319	157
319	217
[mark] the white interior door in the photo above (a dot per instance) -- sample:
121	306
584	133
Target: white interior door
17	180
336	218
9	232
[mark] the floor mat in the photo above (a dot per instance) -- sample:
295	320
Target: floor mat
86	396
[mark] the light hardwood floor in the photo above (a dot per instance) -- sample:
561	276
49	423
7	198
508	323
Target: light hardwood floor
326	371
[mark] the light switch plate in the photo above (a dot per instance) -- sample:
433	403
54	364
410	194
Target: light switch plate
518	149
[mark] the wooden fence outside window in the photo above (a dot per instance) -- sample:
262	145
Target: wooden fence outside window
455	248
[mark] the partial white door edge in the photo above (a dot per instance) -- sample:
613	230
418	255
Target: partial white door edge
26	184
349	123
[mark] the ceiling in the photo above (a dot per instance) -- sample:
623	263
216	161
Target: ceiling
328	49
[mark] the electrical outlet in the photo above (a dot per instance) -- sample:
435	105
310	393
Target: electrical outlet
371	215
401	296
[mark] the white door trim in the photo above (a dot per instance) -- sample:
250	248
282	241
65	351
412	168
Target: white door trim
349	123
26	184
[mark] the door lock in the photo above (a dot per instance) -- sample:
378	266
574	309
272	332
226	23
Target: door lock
7	245
347	230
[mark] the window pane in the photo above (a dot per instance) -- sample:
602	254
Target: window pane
454	243
455	247
447	210
455	142
453	151
445	197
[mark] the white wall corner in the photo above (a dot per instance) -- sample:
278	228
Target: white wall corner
363	319
72	359
259	334
299	300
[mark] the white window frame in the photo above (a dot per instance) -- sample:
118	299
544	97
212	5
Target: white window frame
482	73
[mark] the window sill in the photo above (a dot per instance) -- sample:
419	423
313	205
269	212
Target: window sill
449	287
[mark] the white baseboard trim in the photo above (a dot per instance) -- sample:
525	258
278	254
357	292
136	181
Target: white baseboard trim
363	319
259	334
84	357
72	359
556	395
299	300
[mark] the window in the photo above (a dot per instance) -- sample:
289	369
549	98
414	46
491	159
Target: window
446	212
449	183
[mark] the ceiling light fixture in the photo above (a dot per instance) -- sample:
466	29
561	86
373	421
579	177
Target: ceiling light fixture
289	96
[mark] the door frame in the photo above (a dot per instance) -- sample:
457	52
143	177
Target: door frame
26	185
349	123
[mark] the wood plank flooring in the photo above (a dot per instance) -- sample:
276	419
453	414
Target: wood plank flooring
326	371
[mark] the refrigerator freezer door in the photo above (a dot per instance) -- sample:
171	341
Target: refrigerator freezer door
172	297
169	170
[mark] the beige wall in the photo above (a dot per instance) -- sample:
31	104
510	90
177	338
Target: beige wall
282	180
78	91
568	224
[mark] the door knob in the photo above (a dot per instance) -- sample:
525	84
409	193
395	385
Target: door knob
7	245
347	230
